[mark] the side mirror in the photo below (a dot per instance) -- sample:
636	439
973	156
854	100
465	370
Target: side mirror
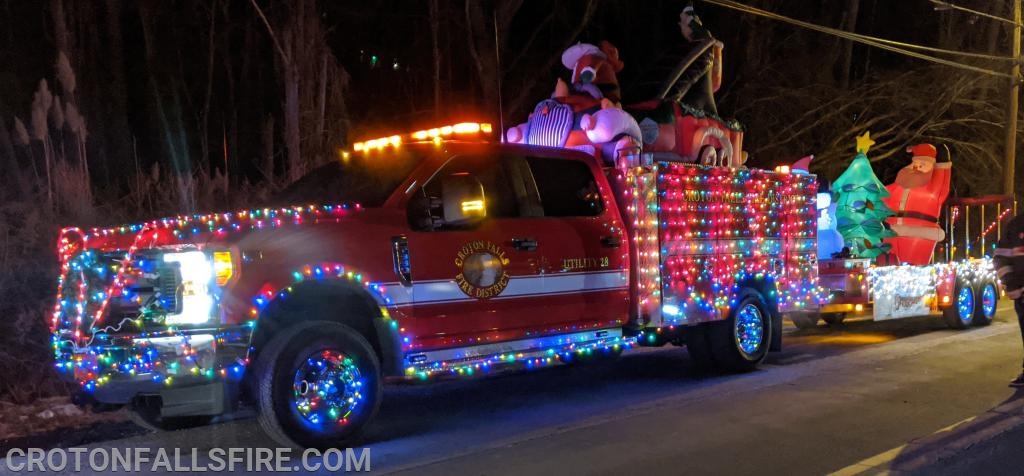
463	200
421	212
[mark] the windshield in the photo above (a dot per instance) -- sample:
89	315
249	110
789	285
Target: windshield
367	179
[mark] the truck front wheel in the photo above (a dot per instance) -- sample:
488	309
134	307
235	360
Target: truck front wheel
737	344
319	384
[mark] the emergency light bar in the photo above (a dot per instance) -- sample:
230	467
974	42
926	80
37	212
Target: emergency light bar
436	134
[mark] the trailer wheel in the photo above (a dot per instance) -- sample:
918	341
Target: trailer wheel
737	344
988	296
834	318
961	314
319	384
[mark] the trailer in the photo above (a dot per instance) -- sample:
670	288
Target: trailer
960	285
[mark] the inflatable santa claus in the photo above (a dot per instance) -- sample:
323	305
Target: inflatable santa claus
916	197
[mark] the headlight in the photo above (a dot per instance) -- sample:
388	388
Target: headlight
197	272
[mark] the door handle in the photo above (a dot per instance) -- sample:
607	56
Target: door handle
611	241
400	255
524	244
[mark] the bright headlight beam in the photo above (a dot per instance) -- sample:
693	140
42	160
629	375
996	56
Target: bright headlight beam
196	276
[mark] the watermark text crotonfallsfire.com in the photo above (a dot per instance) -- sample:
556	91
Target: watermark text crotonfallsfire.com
187	460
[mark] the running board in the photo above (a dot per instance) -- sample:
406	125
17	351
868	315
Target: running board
539	351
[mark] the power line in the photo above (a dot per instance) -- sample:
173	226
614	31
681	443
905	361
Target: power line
889	45
931	49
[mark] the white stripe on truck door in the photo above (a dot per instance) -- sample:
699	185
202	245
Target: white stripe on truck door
437	292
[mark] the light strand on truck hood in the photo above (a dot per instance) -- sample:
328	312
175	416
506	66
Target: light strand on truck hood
77	320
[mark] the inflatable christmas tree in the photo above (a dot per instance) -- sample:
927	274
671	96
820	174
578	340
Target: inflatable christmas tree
860	212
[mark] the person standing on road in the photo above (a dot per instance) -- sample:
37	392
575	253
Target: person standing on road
1009	264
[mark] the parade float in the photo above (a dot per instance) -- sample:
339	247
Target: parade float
894	258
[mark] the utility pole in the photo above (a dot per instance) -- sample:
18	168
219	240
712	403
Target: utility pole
1010	152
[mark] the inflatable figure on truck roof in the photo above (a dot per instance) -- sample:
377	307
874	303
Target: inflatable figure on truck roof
586	113
706	70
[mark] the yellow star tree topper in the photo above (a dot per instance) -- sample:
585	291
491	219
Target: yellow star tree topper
864	142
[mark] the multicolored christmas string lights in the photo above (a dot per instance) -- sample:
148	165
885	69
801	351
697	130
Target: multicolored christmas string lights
938	280
89	258
721	228
699	233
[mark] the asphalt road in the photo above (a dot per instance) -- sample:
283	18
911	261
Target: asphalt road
845	400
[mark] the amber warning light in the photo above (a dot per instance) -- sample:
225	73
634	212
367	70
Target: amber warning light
437	134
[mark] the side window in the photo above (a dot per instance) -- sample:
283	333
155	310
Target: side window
567	187
496	179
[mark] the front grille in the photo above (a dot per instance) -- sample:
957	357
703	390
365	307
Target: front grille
152	290
169	287
550	124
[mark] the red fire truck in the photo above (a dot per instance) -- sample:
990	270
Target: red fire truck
440	252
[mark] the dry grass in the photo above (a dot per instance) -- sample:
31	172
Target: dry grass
28	261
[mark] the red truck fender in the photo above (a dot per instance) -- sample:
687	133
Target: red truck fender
371	308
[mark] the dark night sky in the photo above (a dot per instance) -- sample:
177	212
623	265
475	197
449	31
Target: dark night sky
381	99
397	29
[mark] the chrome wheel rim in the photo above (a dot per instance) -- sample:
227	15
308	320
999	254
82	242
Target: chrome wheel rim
328	389
988	300
965	304
749	330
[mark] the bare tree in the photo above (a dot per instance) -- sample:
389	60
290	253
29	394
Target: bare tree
485	43
435	27
204	118
314	82
852	11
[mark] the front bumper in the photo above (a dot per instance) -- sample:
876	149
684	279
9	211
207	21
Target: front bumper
117	368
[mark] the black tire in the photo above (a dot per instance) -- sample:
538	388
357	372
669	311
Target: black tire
962	313
834	318
987	294
698	347
150	419
299	353
739	343
804	320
